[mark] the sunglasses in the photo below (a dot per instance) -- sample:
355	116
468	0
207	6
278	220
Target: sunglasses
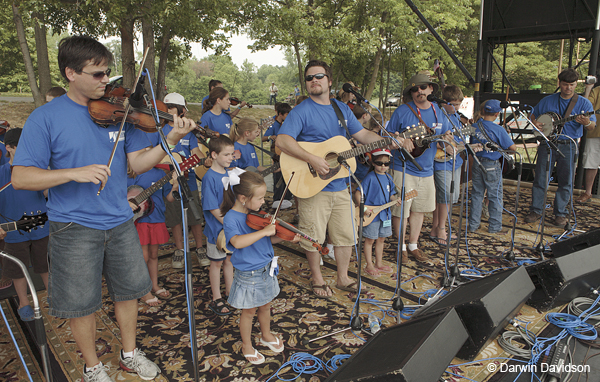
99	75
415	89
318	76
379	163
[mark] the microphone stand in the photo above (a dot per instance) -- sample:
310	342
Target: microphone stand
185	195
355	321
40	332
568	225
540	248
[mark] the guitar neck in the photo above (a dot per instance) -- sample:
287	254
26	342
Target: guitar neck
362	149
572	118
152	189
384	206
269	170
7	227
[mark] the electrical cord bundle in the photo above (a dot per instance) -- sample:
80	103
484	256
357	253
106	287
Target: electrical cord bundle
304	363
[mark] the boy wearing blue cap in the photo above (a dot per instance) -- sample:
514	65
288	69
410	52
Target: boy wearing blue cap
487	131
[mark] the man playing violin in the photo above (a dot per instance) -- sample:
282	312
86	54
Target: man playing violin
315	120
63	150
559	103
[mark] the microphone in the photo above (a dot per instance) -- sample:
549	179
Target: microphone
432	98
348	88
505	104
137	98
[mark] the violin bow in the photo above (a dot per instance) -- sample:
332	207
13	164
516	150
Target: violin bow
127	110
274	218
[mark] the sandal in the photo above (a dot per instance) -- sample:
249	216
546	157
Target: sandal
325	288
352	287
26	313
373	272
384	269
217	306
436	240
162	293
276	346
5	283
259	357
154	301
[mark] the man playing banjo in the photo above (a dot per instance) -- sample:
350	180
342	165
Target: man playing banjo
564	104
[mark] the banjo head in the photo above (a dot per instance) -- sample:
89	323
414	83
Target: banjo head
548	123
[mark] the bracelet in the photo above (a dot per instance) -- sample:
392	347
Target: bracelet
587	124
239	108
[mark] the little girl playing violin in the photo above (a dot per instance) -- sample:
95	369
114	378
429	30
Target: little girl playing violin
255	265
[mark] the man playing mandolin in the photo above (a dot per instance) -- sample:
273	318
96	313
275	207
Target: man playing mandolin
315	120
63	150
564	104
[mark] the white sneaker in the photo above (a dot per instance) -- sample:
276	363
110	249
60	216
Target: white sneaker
275	204
202	259
97	374
145	369
285	204
177	259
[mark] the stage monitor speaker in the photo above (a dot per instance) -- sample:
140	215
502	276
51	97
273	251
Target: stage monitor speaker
573	272
417	350
486	305
576	243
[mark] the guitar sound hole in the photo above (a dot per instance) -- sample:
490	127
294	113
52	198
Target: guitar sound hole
332	160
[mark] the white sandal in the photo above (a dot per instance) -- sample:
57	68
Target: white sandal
276	346
259	357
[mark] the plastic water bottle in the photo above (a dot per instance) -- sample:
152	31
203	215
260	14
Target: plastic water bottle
373	324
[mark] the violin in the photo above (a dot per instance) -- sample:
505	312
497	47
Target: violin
285	231
110	109
235	101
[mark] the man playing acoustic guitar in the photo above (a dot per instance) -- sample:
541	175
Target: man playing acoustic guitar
315	120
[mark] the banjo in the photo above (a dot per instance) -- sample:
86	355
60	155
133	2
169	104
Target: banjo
552	123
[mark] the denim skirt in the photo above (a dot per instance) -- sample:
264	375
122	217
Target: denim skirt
251	289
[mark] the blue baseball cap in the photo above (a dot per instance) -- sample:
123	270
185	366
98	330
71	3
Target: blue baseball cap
492	106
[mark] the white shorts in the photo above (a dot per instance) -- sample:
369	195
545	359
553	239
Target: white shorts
591	153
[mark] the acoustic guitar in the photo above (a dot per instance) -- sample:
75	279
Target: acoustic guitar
141	198
307	182
441	156
26	223
377	209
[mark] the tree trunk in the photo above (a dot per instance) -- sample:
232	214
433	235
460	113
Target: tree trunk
300	71
377	59
165	43
127	53
37	96
41	48
148	39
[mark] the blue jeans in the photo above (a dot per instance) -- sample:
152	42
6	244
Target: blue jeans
564	176
492	181
80	255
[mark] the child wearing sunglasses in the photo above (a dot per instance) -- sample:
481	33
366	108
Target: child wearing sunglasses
379	189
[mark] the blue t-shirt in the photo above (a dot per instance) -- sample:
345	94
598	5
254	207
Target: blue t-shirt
3	158
220	123
402	119
184	148
62	135
496	134
211	198
252	257
273	129
378	189
15	203
312	122
559	105
361	170
146	180
248	156
447	166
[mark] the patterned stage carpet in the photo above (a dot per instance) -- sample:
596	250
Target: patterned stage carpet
297	313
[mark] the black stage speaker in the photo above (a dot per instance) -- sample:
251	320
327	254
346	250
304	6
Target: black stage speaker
418	350
573	272
486	305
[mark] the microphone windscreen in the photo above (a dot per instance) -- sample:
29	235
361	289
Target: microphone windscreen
431	98
504	104
347	88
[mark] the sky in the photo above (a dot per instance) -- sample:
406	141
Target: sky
239	52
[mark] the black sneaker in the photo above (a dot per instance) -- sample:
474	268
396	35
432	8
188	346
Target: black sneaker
532	217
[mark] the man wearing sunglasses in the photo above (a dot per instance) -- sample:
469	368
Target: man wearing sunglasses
91	235
417	108
315	120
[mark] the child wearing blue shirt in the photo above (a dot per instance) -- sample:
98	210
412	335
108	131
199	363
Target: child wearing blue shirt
221	152
243	132
255	277
214	115
379	189
492	180
152	229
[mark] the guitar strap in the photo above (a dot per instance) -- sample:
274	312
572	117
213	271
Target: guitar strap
340	116
429	129
485	134
571	105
